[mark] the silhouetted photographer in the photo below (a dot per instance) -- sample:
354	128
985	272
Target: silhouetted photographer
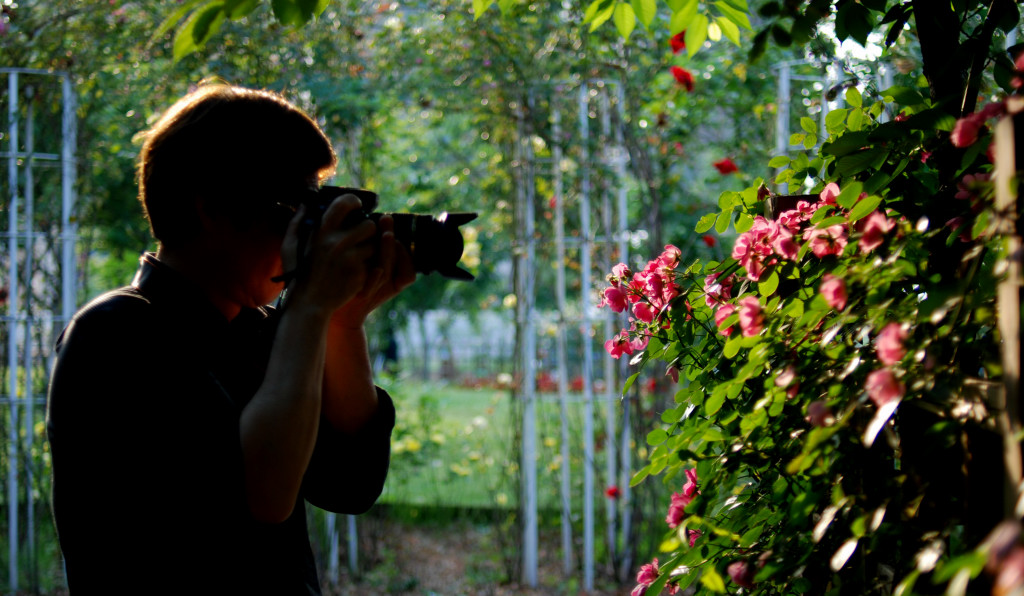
188	421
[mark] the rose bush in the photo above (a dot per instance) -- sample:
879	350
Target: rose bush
825	433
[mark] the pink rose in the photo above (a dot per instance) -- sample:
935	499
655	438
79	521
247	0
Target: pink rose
615	298
644	312
693	535
784	245
965	131
618	345
647	575
889	344
883	387
829	193
741	573
676	509
751	317
622	272
833	290
723	313
874	228
827	241
670	256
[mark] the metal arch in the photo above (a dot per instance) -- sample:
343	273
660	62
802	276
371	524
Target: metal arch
26	317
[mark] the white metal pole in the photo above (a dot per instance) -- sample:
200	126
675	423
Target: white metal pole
610	154
623	244
69	227
29	394
353	543
563	368
527	384
782	116
12	334
588	348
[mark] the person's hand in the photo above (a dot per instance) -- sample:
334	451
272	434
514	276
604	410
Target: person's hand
392	272
337	258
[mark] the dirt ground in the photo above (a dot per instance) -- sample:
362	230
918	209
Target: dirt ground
458	560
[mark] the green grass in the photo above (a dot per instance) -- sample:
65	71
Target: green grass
454	447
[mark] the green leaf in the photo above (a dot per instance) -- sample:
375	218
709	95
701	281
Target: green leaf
288	12
603	14
864	207
682	18
625	19
905	96
696	34
856	119
732	347
744	221
640	476
722	223
208	21
848	143
779	161
848	196
175	17
198	28
835	118
595	7
657	437
853	97
645	11
734	15
809	125
856	163
480	7
705	223
768	285
729	30
236	9
629	383
712	580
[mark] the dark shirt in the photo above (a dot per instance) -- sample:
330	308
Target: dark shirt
143	423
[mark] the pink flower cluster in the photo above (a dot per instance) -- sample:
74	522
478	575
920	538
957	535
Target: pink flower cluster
647	295
647	575
676	509
882	385
768	241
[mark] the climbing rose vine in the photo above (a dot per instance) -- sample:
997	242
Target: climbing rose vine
820	368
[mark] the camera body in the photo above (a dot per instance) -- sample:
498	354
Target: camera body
434	242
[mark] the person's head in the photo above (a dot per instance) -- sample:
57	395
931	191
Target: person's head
228	152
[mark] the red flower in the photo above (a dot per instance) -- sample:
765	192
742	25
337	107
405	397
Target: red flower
709	240
683	77
678	42
612	492
726	166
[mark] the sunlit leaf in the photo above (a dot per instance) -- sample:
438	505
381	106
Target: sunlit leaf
712	580
729	30
696	34
737	16
645	11
624	19
480	7
683	18
864	207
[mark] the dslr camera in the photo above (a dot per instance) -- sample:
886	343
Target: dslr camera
435	242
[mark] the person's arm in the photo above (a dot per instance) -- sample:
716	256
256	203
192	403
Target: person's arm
279	425
319	363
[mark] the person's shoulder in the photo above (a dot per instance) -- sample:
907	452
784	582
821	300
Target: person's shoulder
117	310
